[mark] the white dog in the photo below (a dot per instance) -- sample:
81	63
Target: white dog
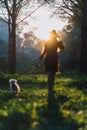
14	87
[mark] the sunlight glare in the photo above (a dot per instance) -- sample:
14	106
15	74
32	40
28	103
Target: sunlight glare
47	26
47	23
42	34
43	23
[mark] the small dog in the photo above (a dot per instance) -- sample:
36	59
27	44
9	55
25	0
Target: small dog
14	87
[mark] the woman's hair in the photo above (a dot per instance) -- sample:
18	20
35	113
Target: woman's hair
54	33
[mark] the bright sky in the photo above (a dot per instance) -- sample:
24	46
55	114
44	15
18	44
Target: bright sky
41	23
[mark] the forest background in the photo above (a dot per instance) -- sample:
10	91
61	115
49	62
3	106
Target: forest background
22	38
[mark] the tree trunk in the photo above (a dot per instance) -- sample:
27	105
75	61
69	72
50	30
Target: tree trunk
83	57
13	57
10	43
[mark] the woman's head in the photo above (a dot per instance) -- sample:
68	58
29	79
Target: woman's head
53	33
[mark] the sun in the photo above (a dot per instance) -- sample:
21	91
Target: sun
47	23
44	31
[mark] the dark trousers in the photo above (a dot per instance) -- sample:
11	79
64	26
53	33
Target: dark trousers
51	78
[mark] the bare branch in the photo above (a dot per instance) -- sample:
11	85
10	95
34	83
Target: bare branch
4	16
7	7
72	6
31	13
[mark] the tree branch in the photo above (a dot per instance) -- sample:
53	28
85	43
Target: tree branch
30	13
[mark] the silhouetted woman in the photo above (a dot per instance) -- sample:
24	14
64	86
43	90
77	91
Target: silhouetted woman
50	55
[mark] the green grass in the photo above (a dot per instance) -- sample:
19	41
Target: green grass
32	109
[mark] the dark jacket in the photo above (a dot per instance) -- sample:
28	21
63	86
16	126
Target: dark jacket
50	54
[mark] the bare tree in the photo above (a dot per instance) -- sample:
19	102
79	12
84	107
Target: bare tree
12	7
83	57
72	8
78	10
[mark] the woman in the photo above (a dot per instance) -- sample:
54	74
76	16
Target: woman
50	55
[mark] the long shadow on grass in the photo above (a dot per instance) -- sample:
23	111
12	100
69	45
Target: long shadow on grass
54	119
39	117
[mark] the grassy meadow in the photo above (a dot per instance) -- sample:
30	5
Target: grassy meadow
33	109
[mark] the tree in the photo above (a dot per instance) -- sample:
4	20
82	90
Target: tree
83	57
72	8
67	8
12	7
79	11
